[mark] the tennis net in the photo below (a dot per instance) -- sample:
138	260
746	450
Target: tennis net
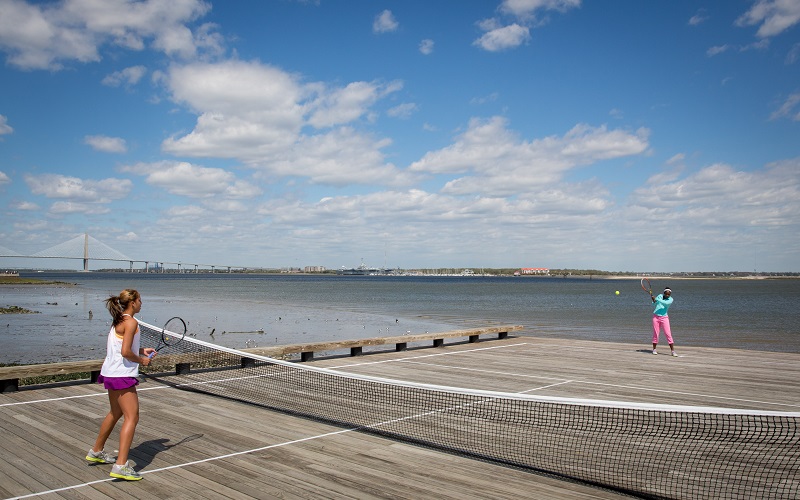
652	451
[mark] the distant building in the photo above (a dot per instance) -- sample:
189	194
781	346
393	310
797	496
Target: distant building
534	270
314	269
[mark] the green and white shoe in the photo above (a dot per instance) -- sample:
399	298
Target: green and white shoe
100	457
125	472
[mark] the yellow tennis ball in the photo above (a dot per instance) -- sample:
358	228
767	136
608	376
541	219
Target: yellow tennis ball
617	292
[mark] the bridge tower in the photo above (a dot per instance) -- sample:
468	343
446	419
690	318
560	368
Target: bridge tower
86	252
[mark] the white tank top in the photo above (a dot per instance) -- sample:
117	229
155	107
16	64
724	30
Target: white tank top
115	365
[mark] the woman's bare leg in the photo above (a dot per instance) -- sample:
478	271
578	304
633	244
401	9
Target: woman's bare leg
109	422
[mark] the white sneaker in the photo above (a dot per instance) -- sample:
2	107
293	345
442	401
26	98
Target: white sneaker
125	472
100	457
675	354
655	352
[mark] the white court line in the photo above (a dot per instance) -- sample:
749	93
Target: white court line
103	393
546	386
426	356
605	384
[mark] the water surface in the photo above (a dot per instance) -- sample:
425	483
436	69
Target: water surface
265	310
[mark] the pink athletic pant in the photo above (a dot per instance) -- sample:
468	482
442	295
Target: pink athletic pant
658	322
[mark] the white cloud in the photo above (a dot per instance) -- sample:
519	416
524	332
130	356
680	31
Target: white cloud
790	108
78	190
506	37
26	206
384	23
5	128
61	208
793	55
190	212
45	35
717	49
497	162
454	228
404	110
186	179
4	178
483	100
719	196
339	106
339	158
426	46
106	144
762	44
275	123
245	109
523	8
129	236
127	77
501	35
699	18
773	17
676	159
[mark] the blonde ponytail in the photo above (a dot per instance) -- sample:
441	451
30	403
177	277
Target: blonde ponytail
116	304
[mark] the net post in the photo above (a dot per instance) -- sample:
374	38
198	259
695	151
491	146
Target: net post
473	339
356	351
438	342
307	356
248	362
182	368
401	346
502	335
94	375
10	385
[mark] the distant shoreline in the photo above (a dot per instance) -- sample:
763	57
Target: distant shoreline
499	273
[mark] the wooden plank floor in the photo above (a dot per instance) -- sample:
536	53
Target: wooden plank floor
194	446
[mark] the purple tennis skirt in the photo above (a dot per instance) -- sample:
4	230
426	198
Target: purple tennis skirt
117	383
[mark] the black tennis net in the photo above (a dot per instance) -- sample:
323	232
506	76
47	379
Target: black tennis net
651	451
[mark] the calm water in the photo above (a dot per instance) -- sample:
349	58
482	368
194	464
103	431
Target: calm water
268	310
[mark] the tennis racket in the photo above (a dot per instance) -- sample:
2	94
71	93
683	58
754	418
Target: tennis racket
172	333
647	287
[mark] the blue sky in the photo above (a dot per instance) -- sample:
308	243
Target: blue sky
622	136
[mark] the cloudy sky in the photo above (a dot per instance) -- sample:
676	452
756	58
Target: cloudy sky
621	136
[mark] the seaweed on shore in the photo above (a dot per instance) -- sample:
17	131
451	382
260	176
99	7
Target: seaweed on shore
16	280
16	310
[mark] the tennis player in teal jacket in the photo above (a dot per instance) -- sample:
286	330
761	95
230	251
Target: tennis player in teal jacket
661	320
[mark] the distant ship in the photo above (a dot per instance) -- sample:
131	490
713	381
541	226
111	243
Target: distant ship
361	270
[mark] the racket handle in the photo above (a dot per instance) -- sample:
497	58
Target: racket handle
151	354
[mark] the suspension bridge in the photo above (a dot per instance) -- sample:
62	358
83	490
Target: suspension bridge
86	248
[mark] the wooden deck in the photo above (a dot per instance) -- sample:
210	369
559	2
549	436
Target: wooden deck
194	446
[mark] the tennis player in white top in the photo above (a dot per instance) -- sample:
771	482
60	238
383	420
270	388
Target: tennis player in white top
119	375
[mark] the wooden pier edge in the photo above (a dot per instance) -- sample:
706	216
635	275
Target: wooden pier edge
11	375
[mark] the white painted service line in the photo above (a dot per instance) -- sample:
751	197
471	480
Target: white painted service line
449	353
605	384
